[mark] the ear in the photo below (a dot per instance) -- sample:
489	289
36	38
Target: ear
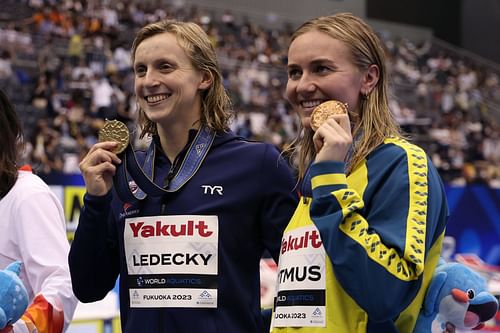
370	79
206	80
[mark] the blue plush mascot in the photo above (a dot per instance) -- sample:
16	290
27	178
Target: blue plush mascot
13	295
456	296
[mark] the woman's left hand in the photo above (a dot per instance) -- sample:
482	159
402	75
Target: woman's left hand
333	139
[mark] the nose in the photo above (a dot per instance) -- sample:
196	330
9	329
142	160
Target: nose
150	79
306	84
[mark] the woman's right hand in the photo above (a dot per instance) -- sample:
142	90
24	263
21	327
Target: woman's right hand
333	139
98	168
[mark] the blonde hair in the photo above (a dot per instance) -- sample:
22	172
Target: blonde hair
215	103
374	122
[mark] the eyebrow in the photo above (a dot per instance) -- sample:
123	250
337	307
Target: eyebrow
157	61
322	61
315	62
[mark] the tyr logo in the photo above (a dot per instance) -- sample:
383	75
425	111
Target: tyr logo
209	189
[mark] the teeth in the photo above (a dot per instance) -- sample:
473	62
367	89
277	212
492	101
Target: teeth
311	104
156	98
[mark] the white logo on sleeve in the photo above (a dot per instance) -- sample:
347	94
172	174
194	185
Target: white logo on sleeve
212	189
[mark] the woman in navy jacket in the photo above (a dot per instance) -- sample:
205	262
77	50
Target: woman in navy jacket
188	259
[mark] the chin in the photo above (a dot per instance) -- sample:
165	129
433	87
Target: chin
156	116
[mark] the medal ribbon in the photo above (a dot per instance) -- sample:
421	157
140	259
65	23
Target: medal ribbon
130	169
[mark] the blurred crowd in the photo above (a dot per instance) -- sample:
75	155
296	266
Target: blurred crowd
66	65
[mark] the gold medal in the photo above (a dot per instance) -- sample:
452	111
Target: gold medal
324	111
114	130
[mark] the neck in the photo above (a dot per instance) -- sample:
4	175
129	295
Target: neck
174	139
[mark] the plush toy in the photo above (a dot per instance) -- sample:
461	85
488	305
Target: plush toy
457	296
13	295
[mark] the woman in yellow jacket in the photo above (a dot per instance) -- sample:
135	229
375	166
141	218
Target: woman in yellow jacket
359	252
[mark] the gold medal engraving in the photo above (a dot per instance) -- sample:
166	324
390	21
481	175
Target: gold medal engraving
324	111
114	130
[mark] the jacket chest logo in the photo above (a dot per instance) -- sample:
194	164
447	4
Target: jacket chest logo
212	189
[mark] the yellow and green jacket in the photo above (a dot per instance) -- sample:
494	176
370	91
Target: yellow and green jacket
359	251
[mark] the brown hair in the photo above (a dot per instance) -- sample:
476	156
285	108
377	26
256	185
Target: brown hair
10	144
374	120
215	108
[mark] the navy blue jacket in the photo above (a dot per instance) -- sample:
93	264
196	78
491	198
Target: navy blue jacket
257	202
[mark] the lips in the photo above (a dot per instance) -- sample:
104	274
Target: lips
311	103
156	98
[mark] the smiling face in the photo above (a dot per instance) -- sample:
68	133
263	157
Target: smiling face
167	86
320	69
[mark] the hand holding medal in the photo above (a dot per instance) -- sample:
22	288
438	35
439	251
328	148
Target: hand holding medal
332	139
99	165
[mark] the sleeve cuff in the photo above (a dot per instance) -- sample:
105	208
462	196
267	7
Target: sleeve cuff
97	205
95	200
327	177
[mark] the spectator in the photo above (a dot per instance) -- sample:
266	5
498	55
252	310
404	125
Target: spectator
34	233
